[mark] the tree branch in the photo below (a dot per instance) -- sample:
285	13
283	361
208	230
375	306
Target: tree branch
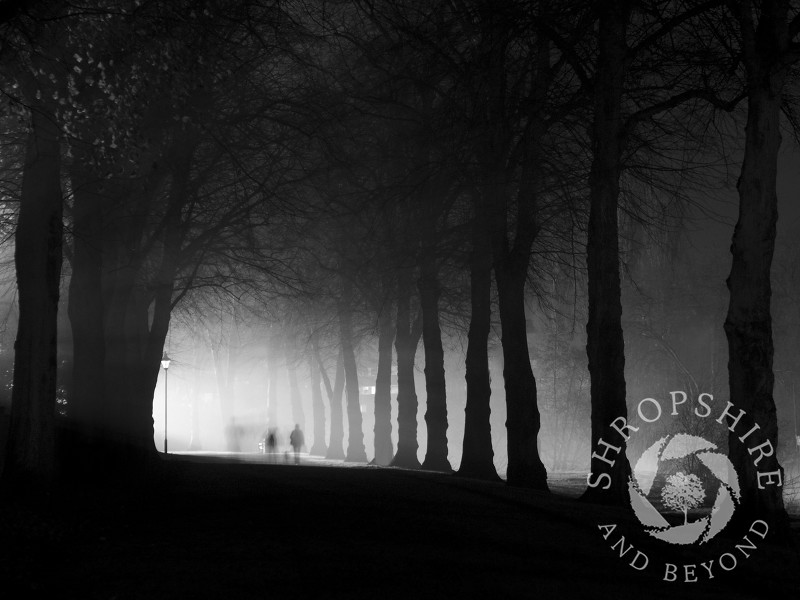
677	100
671	24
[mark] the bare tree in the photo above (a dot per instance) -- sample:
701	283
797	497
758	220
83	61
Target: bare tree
767	48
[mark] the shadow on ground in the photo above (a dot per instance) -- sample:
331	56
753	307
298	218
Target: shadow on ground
229	529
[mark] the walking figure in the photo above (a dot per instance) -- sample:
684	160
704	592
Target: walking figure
297	442
272	442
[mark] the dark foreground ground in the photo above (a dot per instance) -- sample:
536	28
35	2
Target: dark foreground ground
233	530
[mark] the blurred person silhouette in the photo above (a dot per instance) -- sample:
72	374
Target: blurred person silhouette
272	442
297	442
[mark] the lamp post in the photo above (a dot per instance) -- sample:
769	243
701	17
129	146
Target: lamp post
165	360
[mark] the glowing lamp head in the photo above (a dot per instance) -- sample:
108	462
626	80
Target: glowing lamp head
165	360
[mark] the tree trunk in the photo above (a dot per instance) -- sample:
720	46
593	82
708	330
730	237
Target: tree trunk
129	422
225	395
125	323
525	468
136	328
604	340
85	310
748	324
123	433
355	443
336	441
196	442
136	323
383	389
319	448
298	415
477	459
436	400
504	203
406	347
272	387
29	465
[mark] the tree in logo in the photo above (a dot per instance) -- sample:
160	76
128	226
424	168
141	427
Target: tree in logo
683	492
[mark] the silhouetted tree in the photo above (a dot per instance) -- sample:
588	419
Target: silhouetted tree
38	241
477	457
26	75
384	450
767	51
298	414
604	340
511	165
355	443
406	342
628	117
319	448
336	439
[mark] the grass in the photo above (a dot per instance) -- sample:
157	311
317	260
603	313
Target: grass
227	529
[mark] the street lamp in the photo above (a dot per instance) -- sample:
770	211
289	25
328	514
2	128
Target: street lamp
165	360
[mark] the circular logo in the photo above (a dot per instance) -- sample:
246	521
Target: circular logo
683	491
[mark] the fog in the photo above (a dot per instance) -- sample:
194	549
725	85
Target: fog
195	412
220	399
305	296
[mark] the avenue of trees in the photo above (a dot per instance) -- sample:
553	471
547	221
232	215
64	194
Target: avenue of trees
403	172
